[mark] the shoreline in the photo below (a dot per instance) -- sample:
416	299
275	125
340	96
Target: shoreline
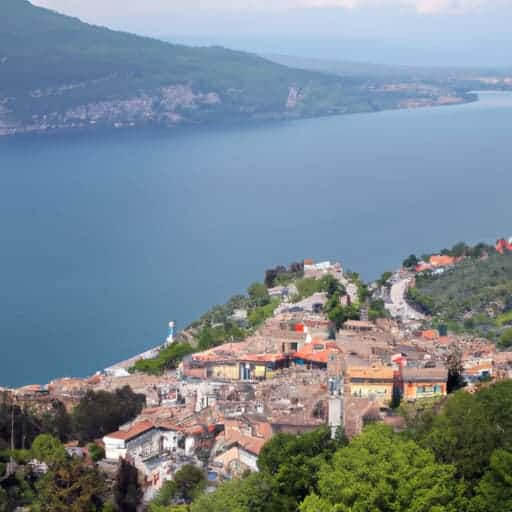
21	133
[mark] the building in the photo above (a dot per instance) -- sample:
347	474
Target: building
316	354
359	326
442	261
142	440
503	245
319	270
375	383
424	383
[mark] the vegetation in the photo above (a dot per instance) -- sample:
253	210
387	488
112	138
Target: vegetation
62	63
281	275
189	482
100	412
127	490
168	358
453	455
474	296
288	468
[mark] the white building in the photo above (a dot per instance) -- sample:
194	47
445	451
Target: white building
142	440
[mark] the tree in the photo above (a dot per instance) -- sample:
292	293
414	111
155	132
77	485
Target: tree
99	413
255	493
70	487
127	491
96	452
164	497
455	369
332	286
190	482
49	449
396	397
410	261
381	471
293	463
506	338
57	422
462	435
258	294
384	278
27	426
494	491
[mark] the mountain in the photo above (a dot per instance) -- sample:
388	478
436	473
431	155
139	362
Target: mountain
57	72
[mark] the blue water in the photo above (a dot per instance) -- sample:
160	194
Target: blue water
107	237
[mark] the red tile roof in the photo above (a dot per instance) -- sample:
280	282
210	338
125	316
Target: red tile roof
442	261
134	431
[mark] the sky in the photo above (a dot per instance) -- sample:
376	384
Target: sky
415	32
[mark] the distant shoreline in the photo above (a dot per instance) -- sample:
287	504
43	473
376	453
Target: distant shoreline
21	133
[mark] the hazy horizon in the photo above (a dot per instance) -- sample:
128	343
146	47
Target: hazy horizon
403	32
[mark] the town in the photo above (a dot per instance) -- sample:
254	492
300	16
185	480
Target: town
297	371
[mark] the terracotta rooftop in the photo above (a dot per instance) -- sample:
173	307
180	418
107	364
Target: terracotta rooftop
441	261
133	431
252	444
381	372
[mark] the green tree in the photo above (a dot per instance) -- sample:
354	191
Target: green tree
384	278
410	261
49	449
99	413
506	338
57	422
383	472
462	435
70	487
190	482
255	493
127	490
332	286
96	452
258	294
455	369
494	491
294	461
164	496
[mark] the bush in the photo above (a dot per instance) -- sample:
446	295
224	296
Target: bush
506	338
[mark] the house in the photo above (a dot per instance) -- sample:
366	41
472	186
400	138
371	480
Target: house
229	362
318	270
422	267
359	326
423	382
374	382
142	440
442	260
134	438
316	354
240	457
261	366
503	246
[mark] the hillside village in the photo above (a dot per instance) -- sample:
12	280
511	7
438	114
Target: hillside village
298	370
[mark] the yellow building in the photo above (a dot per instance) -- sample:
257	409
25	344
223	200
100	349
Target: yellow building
371	382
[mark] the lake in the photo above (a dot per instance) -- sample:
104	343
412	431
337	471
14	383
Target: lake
106	237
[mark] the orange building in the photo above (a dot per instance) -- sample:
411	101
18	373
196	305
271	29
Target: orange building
442	261
424	383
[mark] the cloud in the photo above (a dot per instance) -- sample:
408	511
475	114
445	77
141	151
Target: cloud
420	6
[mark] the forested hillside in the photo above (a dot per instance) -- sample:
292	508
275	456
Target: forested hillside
475	296
57	72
